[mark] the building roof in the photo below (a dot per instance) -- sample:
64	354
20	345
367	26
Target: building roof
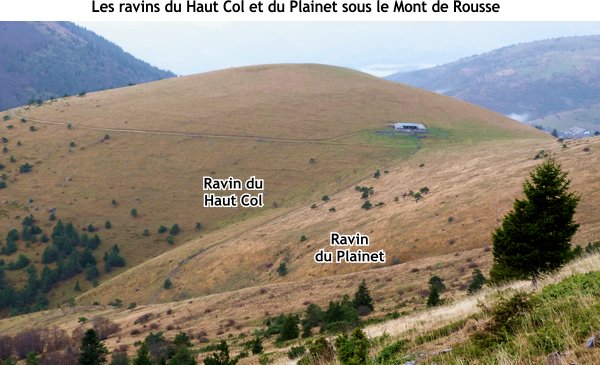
414	125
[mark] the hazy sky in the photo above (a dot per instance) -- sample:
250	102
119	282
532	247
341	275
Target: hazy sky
379	48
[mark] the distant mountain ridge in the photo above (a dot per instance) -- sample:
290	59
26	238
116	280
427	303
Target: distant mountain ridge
542	82
41	60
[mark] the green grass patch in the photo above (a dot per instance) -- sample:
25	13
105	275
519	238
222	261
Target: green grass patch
444	331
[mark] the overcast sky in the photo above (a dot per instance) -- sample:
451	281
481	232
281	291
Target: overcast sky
379	48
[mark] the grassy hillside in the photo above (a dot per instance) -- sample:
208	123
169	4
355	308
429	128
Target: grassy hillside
470	190
532	81
43	60
308	130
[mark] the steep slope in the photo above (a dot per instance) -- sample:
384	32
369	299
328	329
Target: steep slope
395	288
41	60
530	81
308	130
470	190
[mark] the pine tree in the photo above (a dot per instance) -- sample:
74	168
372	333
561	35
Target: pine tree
477	282
434	297
143	356
289	328
183	356
92	351
362	299
438	282
219	358
535	237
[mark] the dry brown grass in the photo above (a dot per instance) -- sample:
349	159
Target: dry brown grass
475	185
267	121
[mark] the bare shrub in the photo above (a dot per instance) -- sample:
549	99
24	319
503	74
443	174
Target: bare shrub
55	339
69	356
77	334
134	332
144	318
104	327
154	326
5	347
26	342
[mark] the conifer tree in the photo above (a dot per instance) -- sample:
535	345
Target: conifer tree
362	297
434	297
92	351
143	356
535	237
477	282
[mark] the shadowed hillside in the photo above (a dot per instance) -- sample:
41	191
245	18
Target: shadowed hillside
551	82
43	60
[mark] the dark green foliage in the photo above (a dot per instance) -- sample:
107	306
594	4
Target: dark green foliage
182	339
313	317
282	269
377	174
198	226
162	229
167	284
143	356
119	358
365	191
92	351
9	248
113	258
319	351
170	240
12	159
362	299
91	272
507	313
134	212
3	184
303	238
535	237
477	282
25	168
91	228
174	231
325	198
353	349
289	328
221	356
77	287
22	262
114	203
367	205
107	225
296	351
183	356
256	345
434	296
340	316
391	351
437	282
